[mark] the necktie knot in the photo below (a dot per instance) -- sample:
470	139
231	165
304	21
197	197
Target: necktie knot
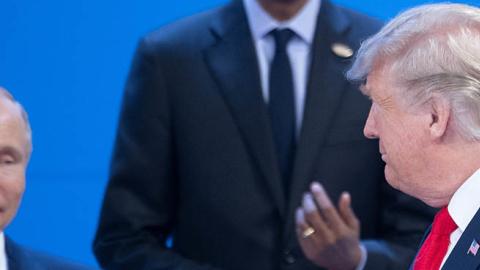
282	37
443	223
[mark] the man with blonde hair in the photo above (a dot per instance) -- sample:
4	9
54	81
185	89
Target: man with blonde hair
422	73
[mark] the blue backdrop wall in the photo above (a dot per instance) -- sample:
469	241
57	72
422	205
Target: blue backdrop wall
66	61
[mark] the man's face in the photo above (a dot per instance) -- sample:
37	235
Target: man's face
402	136
14	155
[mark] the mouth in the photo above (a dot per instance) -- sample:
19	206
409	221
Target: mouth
382	152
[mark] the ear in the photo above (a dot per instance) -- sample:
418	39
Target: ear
439	116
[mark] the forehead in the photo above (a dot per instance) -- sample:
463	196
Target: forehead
377	84
13	130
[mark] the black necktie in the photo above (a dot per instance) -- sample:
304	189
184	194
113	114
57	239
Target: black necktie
281	103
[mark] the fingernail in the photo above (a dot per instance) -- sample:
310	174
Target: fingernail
321	196
317	187
308	203
299	216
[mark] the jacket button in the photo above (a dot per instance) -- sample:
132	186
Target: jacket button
288	257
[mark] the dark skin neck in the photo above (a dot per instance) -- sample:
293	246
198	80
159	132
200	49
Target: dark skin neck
282	10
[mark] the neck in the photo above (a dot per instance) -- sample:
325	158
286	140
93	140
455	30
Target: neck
282	10
454	166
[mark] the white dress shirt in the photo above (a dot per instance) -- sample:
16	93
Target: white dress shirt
298	49
3	254
462	208
303	24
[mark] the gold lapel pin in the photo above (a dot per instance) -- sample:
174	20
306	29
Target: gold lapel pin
342	50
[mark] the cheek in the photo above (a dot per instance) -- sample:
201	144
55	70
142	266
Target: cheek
12	186
413	143
407	161
402	140
17	190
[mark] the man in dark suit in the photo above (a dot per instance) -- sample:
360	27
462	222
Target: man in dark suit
15	150
422	71
219	136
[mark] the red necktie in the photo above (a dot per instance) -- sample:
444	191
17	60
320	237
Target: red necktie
435	247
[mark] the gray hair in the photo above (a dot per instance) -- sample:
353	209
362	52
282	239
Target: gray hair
7	95
430	50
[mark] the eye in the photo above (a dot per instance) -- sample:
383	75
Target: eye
10	156
7	160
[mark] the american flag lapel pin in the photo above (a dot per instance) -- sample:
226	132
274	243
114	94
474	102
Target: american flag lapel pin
473	249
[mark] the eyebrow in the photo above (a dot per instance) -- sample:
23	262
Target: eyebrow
364	89
386	102
9	150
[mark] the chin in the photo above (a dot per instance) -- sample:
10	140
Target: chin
391	179
394	182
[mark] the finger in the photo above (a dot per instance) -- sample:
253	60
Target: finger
305	242
302	224
327	208
300	219
346	211
313	217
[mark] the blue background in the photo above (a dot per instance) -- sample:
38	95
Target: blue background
66	62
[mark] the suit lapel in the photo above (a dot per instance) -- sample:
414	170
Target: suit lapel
233	64
324	93
427	232
13	254
459	259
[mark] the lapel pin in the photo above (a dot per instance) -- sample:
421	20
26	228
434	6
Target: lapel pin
473	249
342	50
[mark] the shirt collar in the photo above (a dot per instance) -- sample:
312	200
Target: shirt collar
3	254
303	23
465	201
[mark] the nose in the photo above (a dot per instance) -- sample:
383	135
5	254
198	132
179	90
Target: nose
369	130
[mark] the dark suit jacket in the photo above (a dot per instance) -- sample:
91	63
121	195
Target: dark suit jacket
20	258
194	156
460	258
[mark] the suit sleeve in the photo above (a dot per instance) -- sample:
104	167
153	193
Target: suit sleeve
138	212
404	220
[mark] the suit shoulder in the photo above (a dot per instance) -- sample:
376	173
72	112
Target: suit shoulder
46	261
361	23
189	32
26	258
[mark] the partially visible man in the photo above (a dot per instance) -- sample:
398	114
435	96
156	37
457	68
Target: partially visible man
422	72
15	150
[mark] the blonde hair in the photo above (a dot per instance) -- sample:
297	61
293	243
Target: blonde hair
430	50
